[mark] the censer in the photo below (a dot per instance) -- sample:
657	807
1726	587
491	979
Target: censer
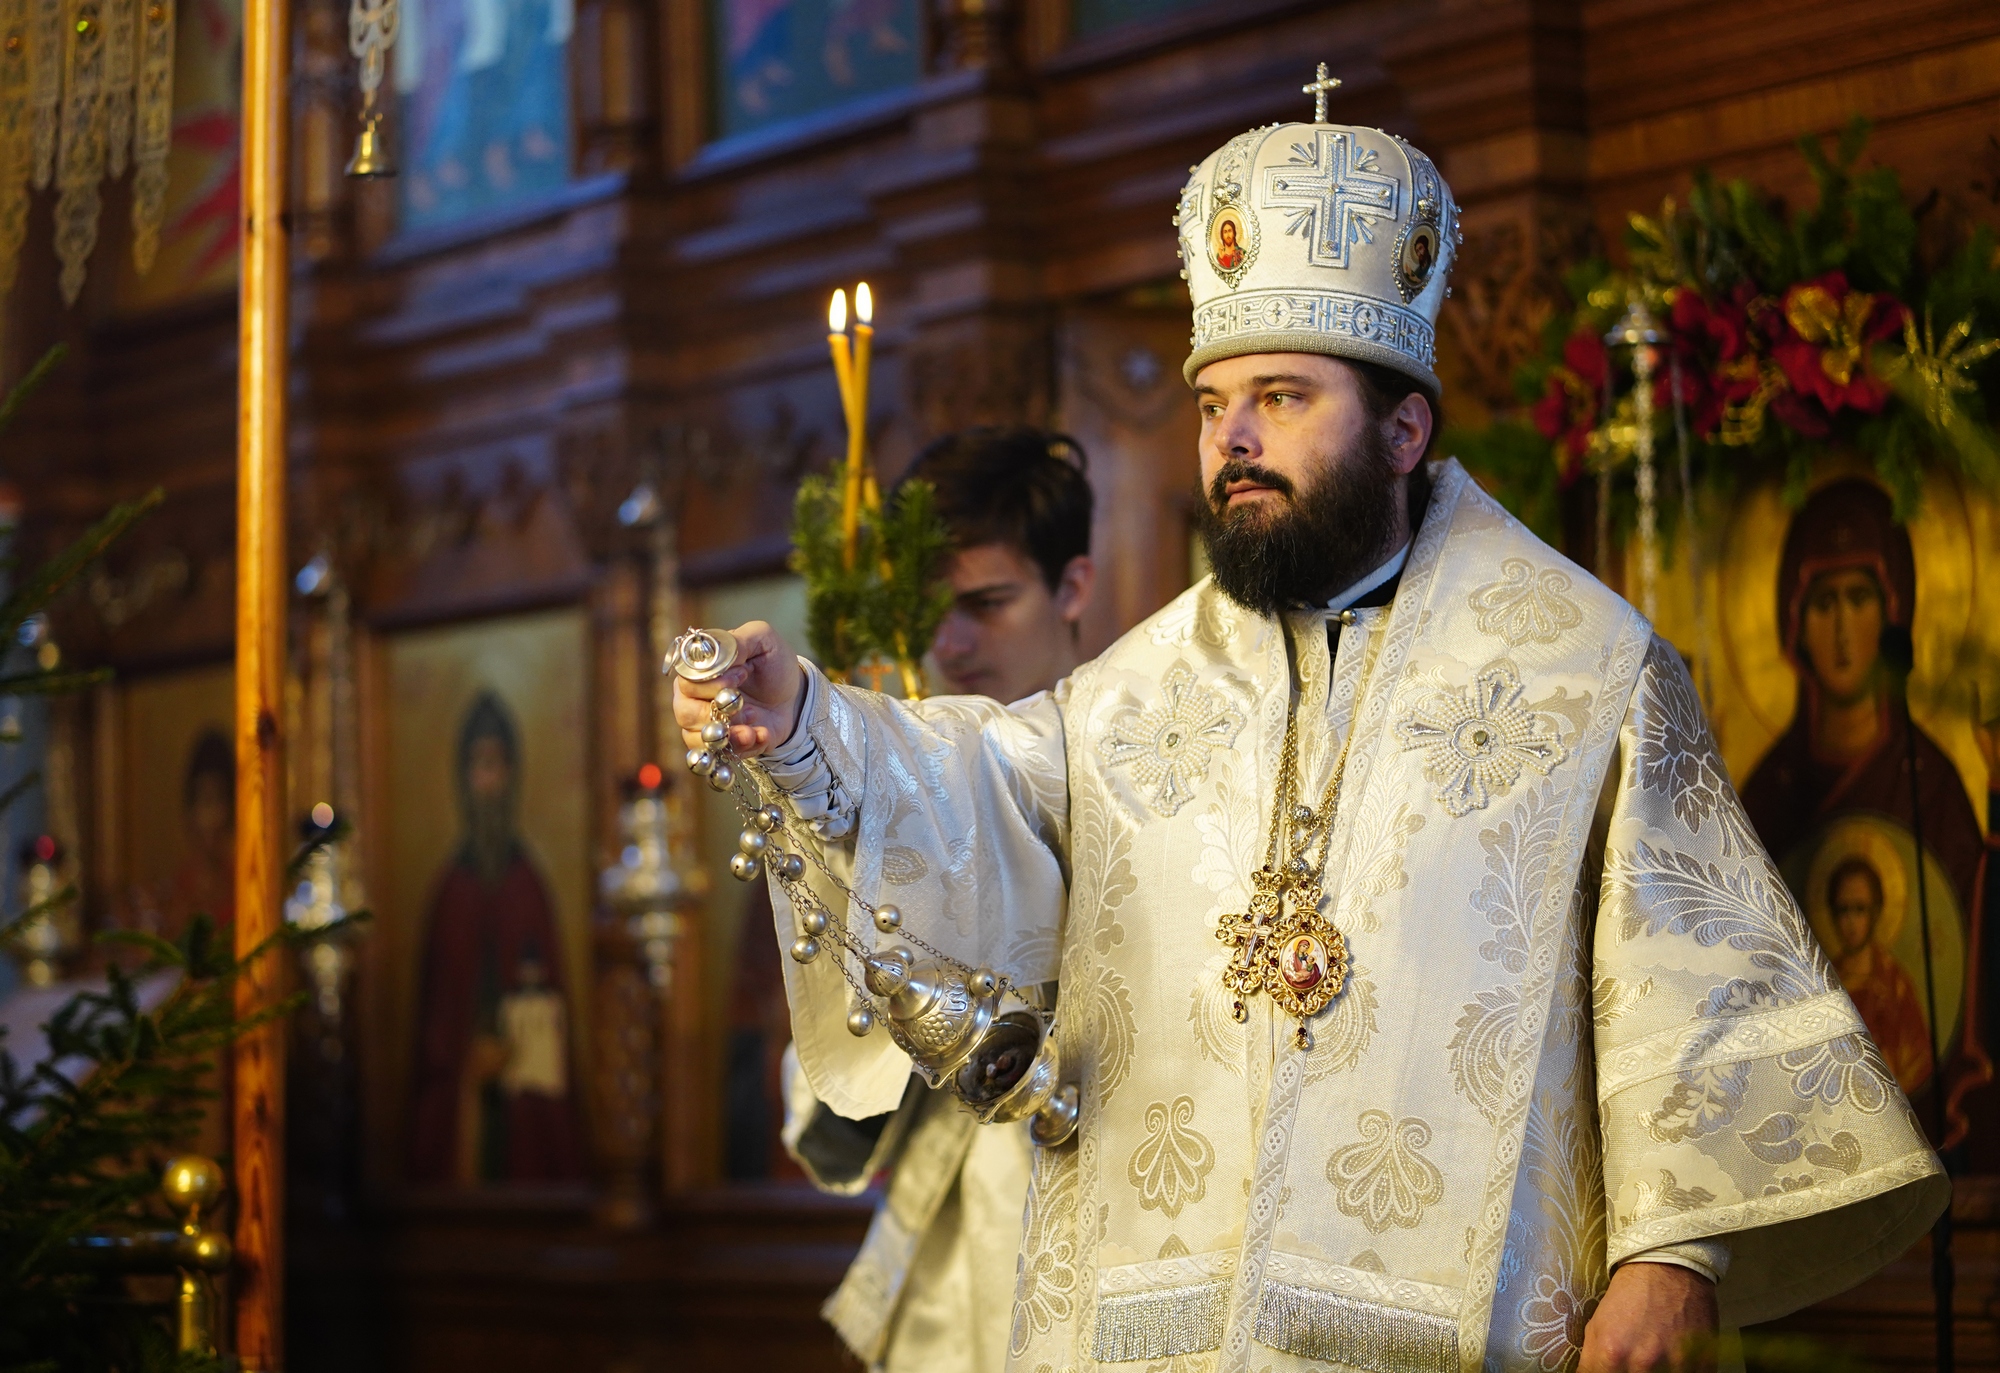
968	1028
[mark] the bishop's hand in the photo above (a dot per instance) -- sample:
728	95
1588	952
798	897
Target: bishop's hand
1655	1318
768	674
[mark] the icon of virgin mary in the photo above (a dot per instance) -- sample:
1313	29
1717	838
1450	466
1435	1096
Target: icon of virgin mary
1848	576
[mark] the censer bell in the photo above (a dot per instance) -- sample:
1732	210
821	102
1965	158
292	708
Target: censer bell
702	655
371	150
1004	1065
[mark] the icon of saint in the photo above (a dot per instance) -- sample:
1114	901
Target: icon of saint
494	1100
204	880
1846	574
1418	267
1879	985
1228	253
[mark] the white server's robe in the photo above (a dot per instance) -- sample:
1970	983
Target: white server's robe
932	1289
1584	1020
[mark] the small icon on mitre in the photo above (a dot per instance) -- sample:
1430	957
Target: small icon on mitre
1418	251
1232	243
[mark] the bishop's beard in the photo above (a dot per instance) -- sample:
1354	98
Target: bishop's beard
1308	546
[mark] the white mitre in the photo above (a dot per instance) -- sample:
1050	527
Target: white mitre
1318	238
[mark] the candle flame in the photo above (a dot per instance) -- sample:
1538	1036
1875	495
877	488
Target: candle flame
836	313
864	304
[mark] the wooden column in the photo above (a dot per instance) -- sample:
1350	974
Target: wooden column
260	664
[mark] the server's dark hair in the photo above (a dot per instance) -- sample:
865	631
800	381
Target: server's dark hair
1019	486
1383	389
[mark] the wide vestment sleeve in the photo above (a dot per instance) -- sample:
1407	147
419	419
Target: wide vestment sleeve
1739	1093
956	810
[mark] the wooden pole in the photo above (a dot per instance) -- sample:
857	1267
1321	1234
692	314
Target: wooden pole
260	648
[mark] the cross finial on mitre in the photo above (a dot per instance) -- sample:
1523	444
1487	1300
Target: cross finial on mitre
1317	89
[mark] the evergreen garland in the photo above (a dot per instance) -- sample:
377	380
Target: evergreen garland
887	606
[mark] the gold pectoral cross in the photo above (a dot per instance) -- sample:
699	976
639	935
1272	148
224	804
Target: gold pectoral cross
1284	947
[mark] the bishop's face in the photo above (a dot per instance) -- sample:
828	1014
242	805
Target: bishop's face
1302	491
1271	424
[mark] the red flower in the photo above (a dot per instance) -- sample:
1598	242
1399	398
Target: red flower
1567	411
1723	325
1827	330
1715	343
1584	355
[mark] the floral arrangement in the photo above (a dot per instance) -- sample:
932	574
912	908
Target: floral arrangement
1782	337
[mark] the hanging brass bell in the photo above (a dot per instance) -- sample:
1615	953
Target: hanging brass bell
371	150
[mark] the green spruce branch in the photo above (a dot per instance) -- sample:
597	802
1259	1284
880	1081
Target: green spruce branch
887	606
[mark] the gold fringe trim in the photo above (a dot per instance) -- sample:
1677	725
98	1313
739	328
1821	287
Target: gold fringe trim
80	154
153	128
1161	1323
45	63
1329	1328
16	136
120	24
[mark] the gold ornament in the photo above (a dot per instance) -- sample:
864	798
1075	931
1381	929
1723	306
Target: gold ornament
1639	331
16	134
1938	368
120	23
45	61
372	26
80	153
1282	945
153	129
86	89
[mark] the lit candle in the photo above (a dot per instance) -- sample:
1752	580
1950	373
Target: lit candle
836	342
843	375
864	346
856	491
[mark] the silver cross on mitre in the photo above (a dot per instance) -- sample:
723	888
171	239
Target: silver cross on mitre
1317	89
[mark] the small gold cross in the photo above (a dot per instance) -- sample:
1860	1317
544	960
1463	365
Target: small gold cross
1317	89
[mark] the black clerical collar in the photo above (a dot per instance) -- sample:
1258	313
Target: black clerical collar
1368	591
1382	592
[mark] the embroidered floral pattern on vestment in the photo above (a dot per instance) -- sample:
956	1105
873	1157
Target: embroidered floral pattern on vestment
1167	746
1046	1285
1482	1048
1476	742
1677	756
1170	1167
1108	1028
1526	605
1384	1180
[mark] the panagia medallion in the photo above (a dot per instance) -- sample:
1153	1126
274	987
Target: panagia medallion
1282	945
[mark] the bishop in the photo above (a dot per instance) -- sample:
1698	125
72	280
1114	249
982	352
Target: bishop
1431	1003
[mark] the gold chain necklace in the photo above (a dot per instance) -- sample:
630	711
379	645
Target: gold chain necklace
1282	945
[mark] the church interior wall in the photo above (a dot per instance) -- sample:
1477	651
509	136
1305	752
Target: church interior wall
474	400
